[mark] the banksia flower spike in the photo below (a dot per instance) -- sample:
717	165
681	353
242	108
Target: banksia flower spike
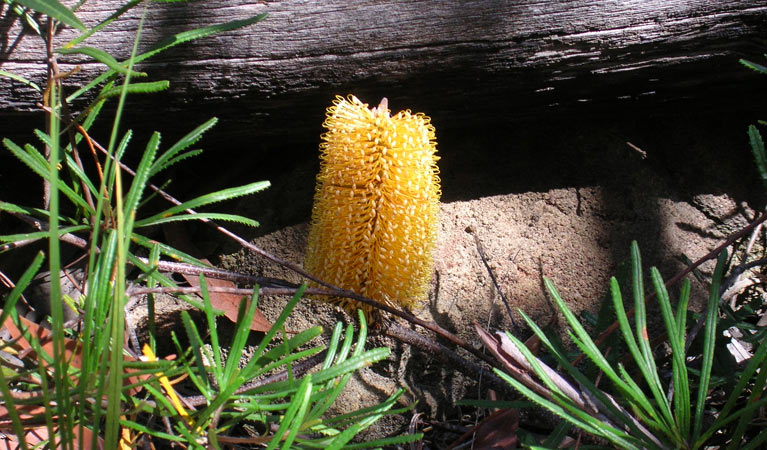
375	215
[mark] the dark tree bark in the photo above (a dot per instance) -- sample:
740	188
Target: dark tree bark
462	62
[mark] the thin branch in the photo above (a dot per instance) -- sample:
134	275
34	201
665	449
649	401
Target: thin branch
446	355
220	274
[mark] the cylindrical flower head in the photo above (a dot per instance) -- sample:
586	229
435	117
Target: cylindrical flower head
375	215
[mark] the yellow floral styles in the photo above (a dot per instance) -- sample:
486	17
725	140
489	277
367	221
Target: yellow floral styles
376	204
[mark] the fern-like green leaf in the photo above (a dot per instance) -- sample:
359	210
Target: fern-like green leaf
101	25
350	365
168	157
679	367
136	88
225	194
173	161
754	66
34	212
123	145
212	216
198	33
581	422
294	416
140	179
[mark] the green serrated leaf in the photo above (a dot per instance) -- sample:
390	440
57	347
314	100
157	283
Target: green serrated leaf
198	33
102	57
167	158
136	88
754	66
140	180
215	197
211	216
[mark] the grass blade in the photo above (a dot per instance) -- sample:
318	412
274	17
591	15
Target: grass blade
211	320
244	317
60	366
679	366
643	341
709	340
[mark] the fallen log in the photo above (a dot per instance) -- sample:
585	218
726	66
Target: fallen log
459	61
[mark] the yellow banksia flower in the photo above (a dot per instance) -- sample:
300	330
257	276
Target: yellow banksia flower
376	204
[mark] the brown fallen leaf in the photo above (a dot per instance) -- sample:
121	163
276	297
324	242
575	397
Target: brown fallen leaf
229	303
498	430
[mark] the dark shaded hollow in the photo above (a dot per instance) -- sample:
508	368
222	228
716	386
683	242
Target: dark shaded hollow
508	120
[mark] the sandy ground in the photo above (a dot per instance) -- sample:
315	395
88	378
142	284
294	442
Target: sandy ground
568	214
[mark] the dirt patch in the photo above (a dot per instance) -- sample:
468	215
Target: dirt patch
572	236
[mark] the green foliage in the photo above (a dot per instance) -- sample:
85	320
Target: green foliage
642	407
90	390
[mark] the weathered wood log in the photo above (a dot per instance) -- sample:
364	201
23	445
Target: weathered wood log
459	61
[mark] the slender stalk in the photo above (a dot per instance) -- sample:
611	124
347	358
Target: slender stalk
61	381
117	321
